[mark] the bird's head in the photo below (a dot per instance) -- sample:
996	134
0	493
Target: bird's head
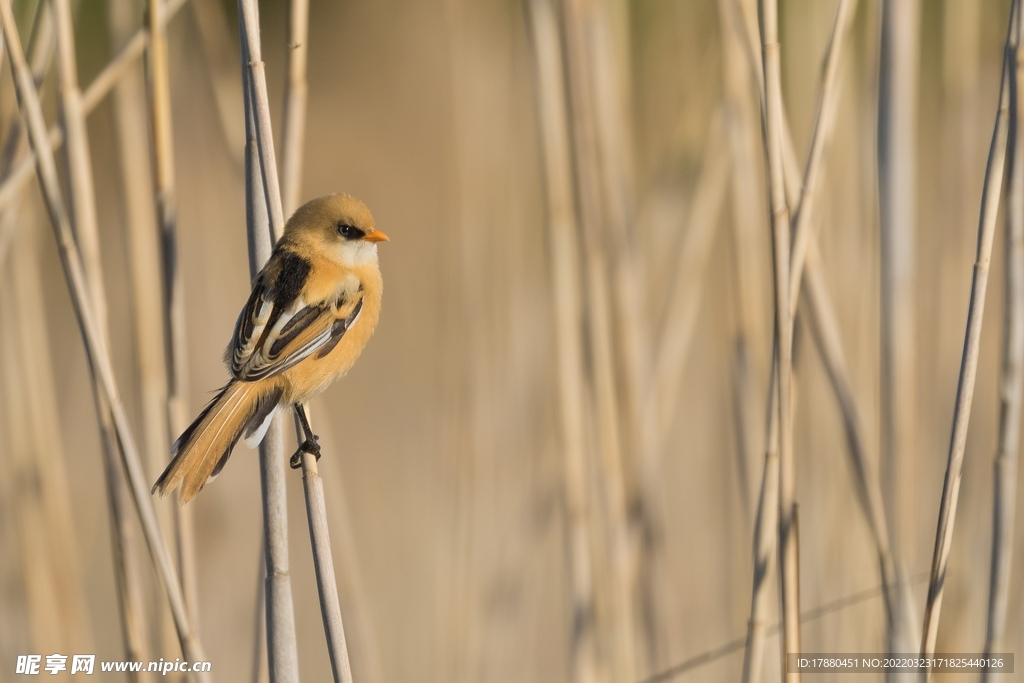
339	224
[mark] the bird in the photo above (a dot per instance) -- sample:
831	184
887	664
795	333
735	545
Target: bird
313	307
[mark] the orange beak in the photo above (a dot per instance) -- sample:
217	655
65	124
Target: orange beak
376	236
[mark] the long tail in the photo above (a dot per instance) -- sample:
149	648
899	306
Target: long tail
202	450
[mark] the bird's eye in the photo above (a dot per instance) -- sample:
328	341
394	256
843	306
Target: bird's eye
350	232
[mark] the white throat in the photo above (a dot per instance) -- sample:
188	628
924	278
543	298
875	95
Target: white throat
357	253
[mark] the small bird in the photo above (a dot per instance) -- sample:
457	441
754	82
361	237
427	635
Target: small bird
312	309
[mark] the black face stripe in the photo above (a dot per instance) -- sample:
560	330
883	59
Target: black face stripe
350	232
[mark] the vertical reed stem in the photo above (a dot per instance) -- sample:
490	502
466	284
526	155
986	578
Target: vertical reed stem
741	111
1012	382
282	648
598	300
765	538
175	344
259	116
97	90
293	135
323	563
43	512
83	204
95	343
990	196
133	143
788	557
565	281
897	163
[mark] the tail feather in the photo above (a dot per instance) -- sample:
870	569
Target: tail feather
203	449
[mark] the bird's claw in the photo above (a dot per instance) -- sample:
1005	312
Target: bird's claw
307	446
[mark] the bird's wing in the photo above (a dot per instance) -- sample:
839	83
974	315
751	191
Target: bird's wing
273	335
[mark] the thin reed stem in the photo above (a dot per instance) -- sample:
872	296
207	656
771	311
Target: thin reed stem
83	204
990	197
252	63
95	344
825	327
568	310
1011	387
688	277
787	549
259	640
822	313
175	340
897	172
282	647
598	299
293	135
43	511
323	563
133	147
765	542
93	95
824	124
258	111
741	112
216	36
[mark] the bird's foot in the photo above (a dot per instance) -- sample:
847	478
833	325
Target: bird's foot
308	446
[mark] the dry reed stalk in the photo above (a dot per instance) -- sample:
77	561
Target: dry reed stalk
712	655
824	125
95	344
44	457
664	381
282	648
822	311
607	33
47	574
825	327
14	636
741	113
787	545
175	340
672	350
258	110
93	95
824	322
55	608
568	310
361	632
216	38
41	626
765	542
1011	386
991	193
293	140
83	204
586	146
259	642
897	162
293	134
142	237
42	49
320	540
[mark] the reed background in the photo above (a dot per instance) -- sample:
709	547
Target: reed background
443	460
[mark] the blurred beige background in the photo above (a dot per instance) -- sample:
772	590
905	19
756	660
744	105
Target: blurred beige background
442	448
